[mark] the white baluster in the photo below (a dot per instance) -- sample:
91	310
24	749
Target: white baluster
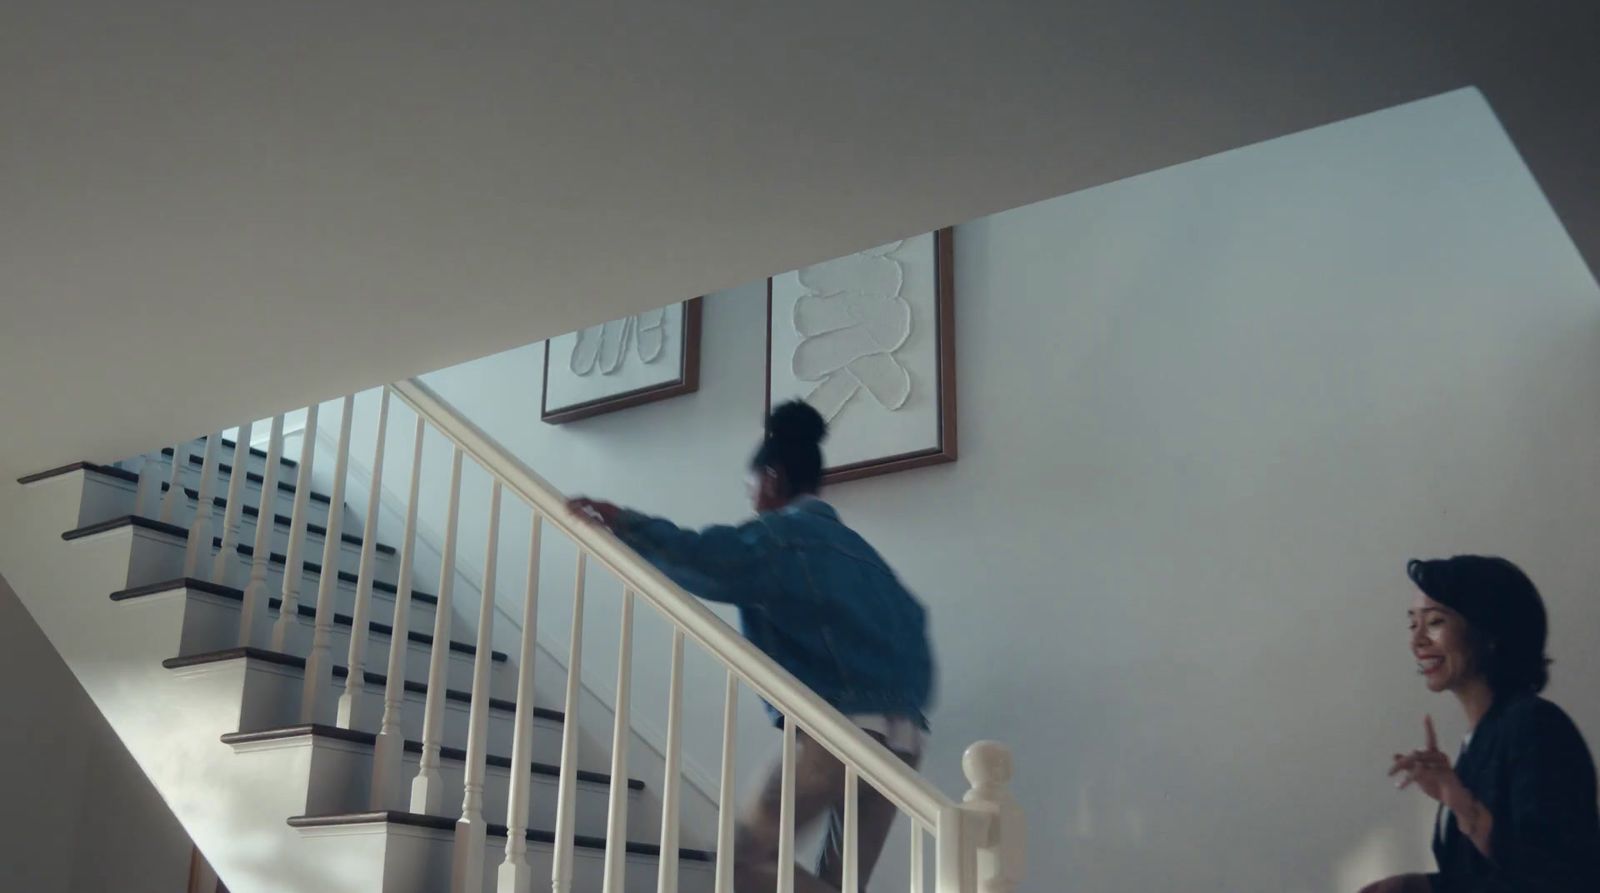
356	660
851	875
467	872
917	884
567	787
786	810
725	805
391	742
319	662
293	571
200	527
667	876
147	499
621	734
175	496
954	855
255	592
516	875
227	552
427	789
1002	850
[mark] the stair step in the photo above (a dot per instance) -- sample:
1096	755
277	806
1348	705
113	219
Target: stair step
125	521
385	629
107	470
251	511
228	446
229	592
457	754
445	823
252	477
501	705
225	469
226	654
315	568
339	672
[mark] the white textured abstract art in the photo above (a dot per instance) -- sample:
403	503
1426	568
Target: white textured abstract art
867	340
639	358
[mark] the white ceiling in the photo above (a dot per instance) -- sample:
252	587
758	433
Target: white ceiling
210	210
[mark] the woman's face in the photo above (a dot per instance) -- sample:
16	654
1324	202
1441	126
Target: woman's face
766	490
1440	643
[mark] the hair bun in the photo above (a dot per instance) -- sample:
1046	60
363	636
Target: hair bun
797	422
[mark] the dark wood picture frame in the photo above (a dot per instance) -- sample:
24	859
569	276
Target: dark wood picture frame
945	346
687	382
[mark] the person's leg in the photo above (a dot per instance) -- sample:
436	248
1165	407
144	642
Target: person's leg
875	815
818	785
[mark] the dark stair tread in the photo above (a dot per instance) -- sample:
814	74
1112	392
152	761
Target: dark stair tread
312	527
227	654
457	754
229	592
229	445
125	521
315	568
252	477
445	823
339	672
384	629
198	585
107	470
378	680
249	551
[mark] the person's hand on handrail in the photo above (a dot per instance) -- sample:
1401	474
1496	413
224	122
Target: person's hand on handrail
595	511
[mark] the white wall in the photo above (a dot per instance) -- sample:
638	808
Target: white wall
81	816
1206	415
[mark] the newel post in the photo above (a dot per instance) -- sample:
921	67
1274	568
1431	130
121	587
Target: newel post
1002	847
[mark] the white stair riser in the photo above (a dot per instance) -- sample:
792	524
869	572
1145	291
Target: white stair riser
210	623
255	463
588	869
282	504
386	568
387	564
417	860
348	768
546	733
459	667
215	627
421	612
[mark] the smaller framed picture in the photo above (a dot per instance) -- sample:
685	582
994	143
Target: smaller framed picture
869	341
627	362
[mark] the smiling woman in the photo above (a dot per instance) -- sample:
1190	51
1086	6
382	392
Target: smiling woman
1517	810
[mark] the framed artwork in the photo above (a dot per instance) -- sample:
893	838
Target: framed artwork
869	340
626	362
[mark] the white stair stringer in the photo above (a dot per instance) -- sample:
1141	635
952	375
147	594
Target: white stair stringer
235	800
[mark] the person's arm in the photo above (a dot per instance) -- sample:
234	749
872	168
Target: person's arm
721	563
1541	839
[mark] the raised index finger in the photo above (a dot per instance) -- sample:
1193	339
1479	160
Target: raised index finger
1433	739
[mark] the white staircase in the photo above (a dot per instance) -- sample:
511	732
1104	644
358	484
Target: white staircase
282	790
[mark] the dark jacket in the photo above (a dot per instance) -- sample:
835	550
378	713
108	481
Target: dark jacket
1528	765
813	595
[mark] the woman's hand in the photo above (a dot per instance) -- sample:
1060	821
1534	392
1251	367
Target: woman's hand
594	511
1430	770
1402	883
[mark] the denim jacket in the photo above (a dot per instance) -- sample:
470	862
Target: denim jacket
813	595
